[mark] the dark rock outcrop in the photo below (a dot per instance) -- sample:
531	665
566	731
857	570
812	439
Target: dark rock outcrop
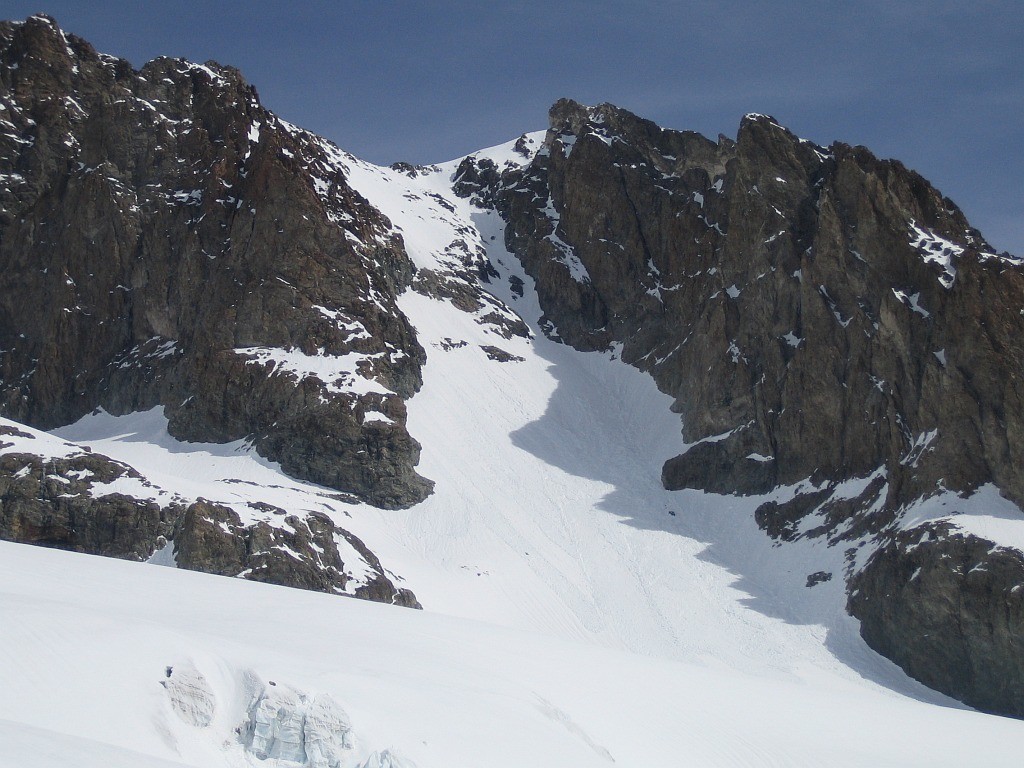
302	553
948	607
60	502
50	502
165	240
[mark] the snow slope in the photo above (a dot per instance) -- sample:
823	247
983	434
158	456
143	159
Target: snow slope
87	643
576	612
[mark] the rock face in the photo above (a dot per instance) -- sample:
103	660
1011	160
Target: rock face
298	552
50	503
817	312
67	502
165	240
824	319
949	609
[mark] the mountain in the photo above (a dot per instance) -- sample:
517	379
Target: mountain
828	323
751	402
150	283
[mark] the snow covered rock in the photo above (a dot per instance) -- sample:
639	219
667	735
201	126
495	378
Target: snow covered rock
61	494
823	318
948	607
788	295
296	552
50	501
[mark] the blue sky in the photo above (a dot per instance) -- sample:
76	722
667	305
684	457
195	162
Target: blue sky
938	84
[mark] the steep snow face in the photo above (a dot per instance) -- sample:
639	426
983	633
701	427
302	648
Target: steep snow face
280	678
420	202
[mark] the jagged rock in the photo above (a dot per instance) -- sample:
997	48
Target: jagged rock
463	295
731	465
60	503
948	607
464	291
500	355
165	240
305	556
477	179
211	539
818	577
780	519
840	518
821	317
831	310
301	553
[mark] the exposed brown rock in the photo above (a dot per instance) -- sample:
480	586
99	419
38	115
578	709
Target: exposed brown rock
52	503
775	288
154	225
948	607
56	503
302	553
820	316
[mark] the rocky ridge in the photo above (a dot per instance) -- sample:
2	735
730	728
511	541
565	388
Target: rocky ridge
778	289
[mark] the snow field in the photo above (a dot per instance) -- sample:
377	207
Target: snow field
444	691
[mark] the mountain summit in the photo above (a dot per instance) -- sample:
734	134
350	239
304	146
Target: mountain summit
528	380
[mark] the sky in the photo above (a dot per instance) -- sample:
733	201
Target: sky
937	84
